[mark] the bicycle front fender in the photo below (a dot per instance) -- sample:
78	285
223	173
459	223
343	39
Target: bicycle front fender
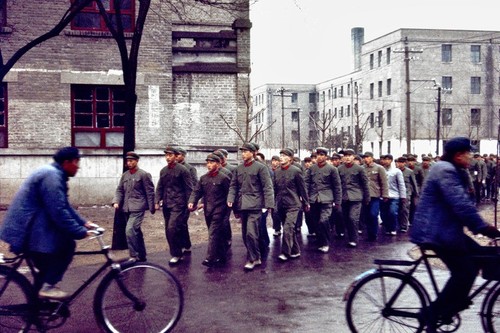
356	280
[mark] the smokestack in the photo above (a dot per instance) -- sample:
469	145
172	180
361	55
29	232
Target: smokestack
357	38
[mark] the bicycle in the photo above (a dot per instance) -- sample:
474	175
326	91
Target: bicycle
386	299
131	297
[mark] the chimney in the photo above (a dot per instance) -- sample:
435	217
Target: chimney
357	38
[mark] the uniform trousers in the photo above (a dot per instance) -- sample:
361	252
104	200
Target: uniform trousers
289	244
250	222
135	238
321	212
173	229
351	211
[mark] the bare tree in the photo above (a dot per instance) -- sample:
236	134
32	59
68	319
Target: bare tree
245	134
73	10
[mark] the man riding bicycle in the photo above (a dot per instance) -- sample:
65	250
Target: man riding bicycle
41	222
445	207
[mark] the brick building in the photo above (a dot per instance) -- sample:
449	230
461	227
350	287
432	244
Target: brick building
194	65
372	99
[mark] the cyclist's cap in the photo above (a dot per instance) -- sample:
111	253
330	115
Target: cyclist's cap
67	154
131	156
387	157
275	158
458	144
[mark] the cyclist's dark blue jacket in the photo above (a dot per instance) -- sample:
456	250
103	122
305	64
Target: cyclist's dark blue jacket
40	217
444	208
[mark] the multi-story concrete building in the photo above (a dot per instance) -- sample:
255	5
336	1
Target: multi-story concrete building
194	67
402	81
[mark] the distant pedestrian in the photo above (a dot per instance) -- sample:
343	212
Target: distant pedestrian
213	188
355	194
250	192
180	157
172	194
134	195
379	190
325	193
291	194
389	209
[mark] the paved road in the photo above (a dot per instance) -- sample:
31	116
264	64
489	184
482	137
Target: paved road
303	295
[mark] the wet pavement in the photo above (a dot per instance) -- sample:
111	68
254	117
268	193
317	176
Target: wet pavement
301	295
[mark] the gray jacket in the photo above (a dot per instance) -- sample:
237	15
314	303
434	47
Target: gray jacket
135	192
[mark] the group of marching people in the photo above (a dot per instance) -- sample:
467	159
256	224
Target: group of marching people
344	195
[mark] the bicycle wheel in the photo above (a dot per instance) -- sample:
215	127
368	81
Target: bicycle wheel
140	298
492	314
367	308
16	299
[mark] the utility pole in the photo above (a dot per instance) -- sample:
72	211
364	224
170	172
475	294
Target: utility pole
298	130
281	91
407	59
438	129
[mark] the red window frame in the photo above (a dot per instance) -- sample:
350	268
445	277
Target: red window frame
92	12
4	143
3	13
98	111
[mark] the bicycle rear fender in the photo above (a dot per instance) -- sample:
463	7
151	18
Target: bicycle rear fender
372	271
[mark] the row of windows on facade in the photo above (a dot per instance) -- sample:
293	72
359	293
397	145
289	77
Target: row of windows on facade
97	116
89	18
446	55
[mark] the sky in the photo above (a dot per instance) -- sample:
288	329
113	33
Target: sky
309	41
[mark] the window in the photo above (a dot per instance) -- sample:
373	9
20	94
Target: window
348	89
98	115
371	61
314	115
323	96
388	147
335	113
389	118
348	112
295	97
3	13
90	19
312	97
475	117
475	53
447	83
329	94
313	135
372	87
379	59
389	87
475	85
3	116
388	55
380	118
295	116
379	88
446	118
295	135
446	55
334	93
341	112
372	120
341	92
